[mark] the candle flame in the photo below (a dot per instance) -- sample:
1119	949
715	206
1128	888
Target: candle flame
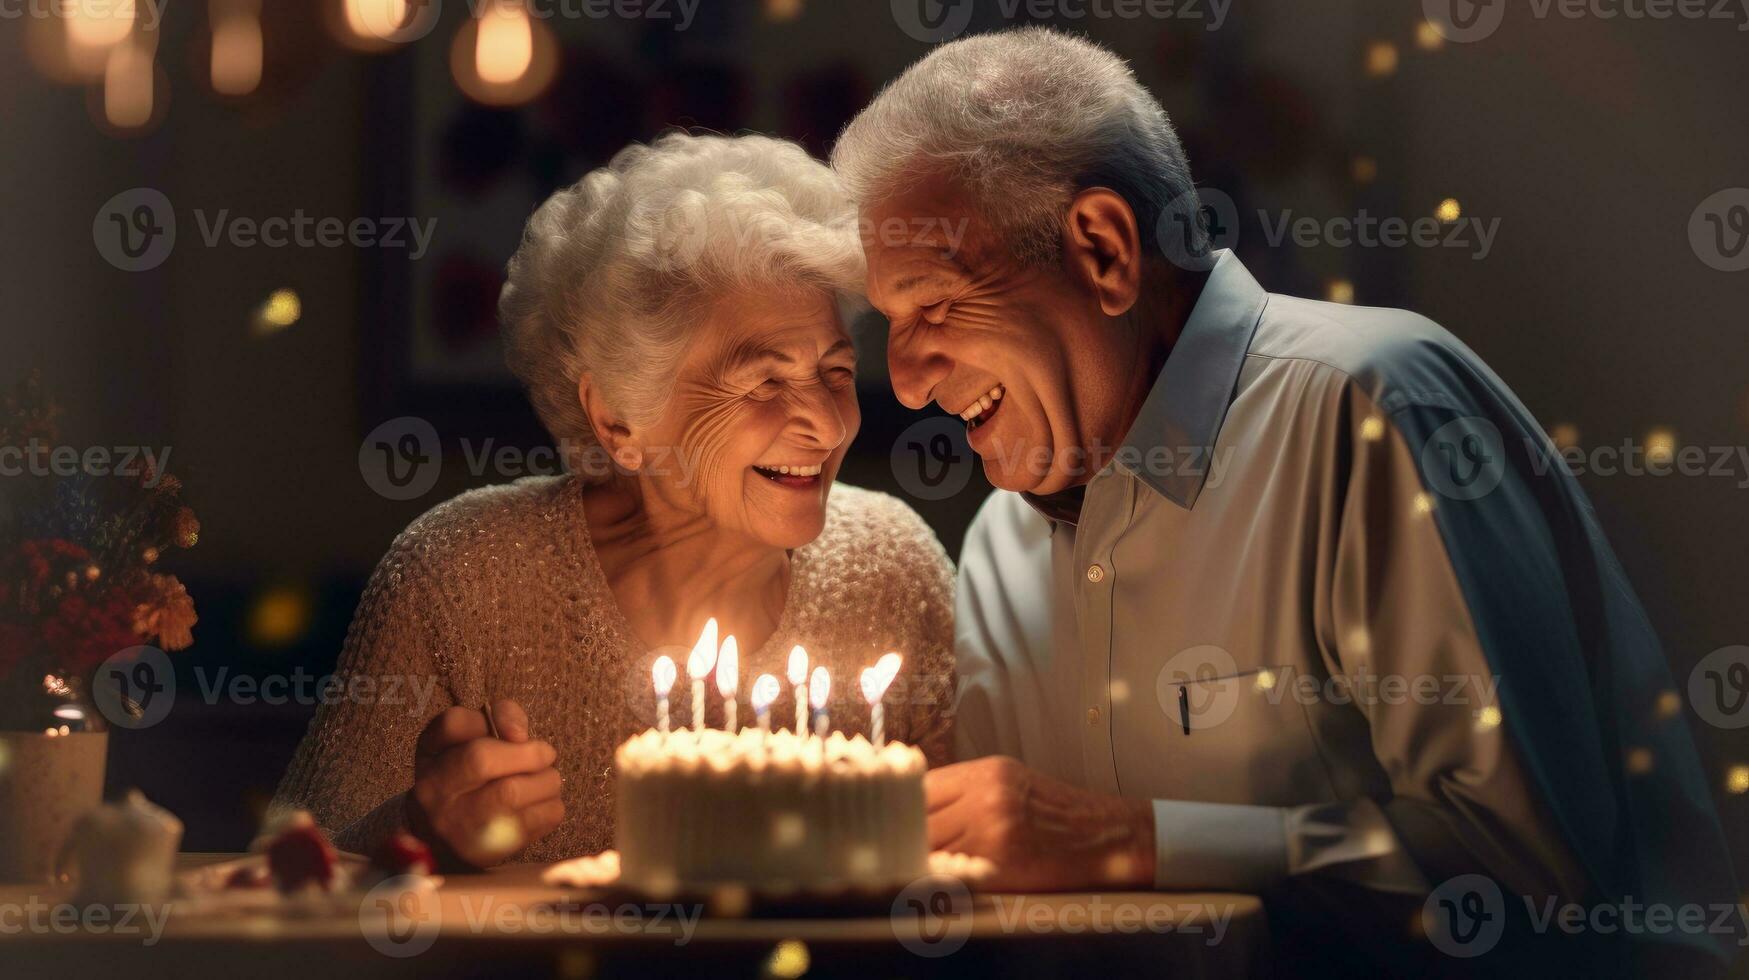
704	652
798	666
504	46
663	672
819	687
764	692
728	669
876	679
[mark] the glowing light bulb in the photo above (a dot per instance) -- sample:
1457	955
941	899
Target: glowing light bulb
236	61
376	20
504	46
98	23
127	87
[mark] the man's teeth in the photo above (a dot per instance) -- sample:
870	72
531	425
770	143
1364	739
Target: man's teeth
984	403
793	470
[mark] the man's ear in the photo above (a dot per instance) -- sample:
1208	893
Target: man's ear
614	434
1102	247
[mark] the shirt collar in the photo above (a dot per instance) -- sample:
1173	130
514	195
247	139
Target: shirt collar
1183	412
1170	446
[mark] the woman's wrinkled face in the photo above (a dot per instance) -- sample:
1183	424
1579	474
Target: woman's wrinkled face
763	410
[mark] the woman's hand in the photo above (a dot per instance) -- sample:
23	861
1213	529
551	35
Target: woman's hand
482	798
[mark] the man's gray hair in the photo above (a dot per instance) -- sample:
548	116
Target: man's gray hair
614	272
1023	120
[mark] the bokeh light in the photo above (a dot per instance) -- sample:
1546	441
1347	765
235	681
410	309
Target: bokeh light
1449	210
504	56
1381	59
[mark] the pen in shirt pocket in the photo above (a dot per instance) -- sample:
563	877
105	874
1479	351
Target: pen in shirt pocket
1184	707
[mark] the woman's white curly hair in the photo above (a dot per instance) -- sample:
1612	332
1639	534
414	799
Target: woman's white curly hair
614	271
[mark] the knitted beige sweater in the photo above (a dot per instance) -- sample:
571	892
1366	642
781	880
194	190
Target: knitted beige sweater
498	594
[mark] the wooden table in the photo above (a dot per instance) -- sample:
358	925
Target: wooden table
506	923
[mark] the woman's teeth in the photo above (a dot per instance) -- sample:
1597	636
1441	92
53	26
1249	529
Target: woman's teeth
790	470
975	412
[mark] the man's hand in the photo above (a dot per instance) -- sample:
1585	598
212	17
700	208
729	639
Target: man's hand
1040	833
482	798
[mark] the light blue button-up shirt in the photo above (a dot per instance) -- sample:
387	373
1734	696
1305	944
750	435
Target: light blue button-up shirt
1335	612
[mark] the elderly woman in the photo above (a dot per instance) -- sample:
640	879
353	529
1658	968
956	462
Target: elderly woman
676	319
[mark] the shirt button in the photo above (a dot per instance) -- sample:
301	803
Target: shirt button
1095	573
1093	713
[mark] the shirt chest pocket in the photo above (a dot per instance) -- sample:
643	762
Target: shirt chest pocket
1240	738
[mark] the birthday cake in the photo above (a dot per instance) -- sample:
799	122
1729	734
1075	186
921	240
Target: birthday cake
769	810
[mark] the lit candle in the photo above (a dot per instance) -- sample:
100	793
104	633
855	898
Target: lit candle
798	679
698	667
764	692
819	686
875	681
728	680
663	674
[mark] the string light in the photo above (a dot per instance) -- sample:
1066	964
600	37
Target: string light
98	25
128	80
504	56
503	43
1339	291
236	55
1364	169
1449	210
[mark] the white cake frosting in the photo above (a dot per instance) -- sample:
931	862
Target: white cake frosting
768	809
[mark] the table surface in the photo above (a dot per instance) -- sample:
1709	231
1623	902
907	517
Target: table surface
509	919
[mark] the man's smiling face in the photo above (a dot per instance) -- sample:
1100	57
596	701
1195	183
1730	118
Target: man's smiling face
1024	354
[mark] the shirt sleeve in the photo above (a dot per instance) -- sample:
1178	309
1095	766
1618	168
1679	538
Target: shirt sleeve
354	767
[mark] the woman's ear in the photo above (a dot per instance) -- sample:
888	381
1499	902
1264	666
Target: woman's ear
614	434
1102	246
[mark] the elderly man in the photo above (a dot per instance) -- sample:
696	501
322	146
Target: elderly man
1273	592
